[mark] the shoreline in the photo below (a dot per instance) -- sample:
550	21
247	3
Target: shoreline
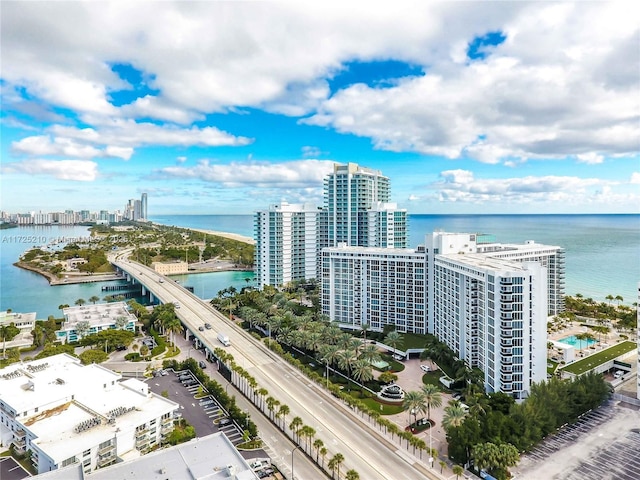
230	236
72	278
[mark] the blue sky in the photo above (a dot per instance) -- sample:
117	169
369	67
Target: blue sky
228	107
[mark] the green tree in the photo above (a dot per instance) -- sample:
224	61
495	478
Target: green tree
362	371
457	471
414	401
334	464
432	397
82	327
352	475
454	415
93	356
283	411
295	425
318	444
80	301
394	340
93	299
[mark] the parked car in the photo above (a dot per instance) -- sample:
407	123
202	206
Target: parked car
457	396
224	421
425	368
202	364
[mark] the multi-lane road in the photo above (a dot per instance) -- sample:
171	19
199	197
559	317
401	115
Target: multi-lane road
364	450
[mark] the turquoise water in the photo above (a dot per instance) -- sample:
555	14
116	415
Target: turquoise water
25	291
574	342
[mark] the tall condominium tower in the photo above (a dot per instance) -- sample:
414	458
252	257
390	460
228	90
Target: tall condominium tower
358	210
143	206
286	243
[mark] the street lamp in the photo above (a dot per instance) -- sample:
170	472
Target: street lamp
430	446
292	452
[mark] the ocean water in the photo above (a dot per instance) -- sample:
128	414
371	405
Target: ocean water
602	251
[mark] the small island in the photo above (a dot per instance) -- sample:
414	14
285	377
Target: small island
79	260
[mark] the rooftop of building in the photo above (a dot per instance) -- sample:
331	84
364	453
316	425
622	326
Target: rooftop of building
481	261
96	314
7	317
373	251
201	458
69	396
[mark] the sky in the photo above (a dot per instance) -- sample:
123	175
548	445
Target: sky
229	107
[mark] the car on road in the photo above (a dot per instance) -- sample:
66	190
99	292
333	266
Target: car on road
201	328
425	368
207	326
202	364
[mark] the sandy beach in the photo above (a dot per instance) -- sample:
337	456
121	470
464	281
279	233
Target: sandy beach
232	236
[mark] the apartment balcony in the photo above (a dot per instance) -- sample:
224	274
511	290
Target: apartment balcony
506	308
508	333
506	343
506	351
506	388
506	298
506	290
506	378
507	368
105	450
506	316
104	461
506	325
20	433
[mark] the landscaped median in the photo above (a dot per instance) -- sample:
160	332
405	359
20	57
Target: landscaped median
597	362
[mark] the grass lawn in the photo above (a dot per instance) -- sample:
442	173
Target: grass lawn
551	366
383	408
413	340
596	359
433	378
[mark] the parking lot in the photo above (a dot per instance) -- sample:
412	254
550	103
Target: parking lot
603	444
11	470
204	414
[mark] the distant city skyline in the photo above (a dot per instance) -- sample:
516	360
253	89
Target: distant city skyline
470	108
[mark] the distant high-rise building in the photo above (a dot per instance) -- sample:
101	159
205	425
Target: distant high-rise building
143	207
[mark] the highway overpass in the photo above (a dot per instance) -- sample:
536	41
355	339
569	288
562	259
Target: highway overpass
365	448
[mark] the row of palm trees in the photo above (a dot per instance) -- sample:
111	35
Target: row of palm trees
303	435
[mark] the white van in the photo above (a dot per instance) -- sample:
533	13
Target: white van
224	339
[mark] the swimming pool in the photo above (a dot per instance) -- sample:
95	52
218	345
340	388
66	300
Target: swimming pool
574	342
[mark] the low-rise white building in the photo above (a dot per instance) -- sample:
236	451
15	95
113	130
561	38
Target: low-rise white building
88	319
65	413
212	457
24	321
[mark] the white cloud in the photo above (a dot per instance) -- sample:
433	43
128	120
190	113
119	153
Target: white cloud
635	178
128	133
76	170
590	158
154	107
181	159
43	145
311	152
462	186
301	173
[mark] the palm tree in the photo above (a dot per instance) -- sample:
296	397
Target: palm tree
346	359
618	299
457	471
393	339
317	444
294	426
454	416
352	475
263	392
362	371
93	299
81	301
415	403
283	411
63	306
442	465
323	453
364	328
334	464
370	353
609	298
309	433
171	327
432	397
